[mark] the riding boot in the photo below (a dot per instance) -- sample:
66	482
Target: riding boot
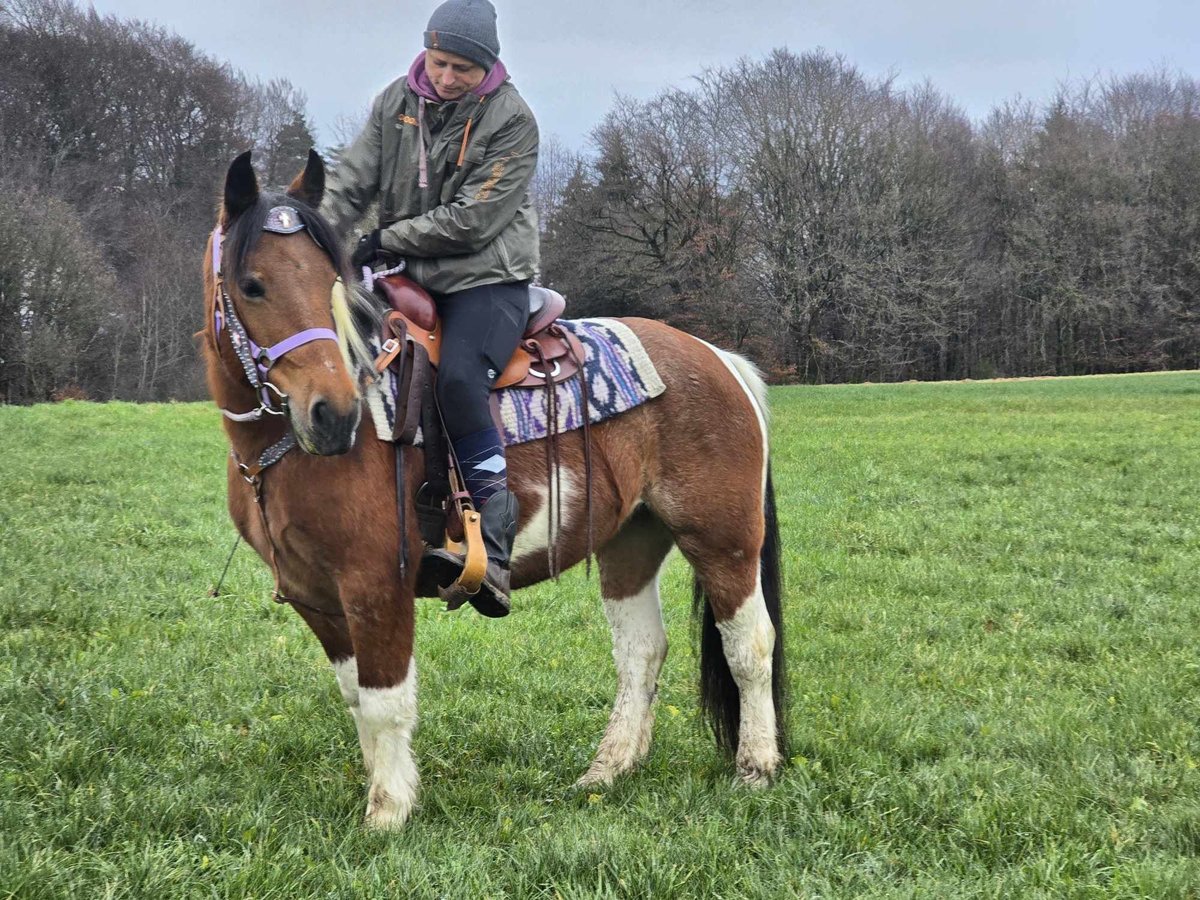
499	529
440	568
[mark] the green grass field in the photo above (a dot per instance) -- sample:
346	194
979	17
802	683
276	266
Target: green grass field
993	617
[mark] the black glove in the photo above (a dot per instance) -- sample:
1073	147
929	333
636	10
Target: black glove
369	246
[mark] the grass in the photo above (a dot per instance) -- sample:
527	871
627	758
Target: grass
993	613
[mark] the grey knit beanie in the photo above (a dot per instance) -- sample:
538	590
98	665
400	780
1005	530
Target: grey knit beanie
465	27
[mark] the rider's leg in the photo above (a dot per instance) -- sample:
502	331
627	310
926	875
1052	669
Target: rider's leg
481	328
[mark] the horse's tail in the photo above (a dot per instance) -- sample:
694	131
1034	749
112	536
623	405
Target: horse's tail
719	696
771	571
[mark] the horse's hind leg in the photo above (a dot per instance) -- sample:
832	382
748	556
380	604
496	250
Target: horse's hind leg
737	653
629	568
748	641
725	528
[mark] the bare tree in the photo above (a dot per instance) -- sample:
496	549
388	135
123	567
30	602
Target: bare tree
54	292
557	163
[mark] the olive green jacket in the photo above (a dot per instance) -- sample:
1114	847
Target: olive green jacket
474	223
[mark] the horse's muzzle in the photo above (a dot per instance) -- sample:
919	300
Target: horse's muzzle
329	432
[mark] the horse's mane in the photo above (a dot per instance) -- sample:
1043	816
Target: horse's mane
357	313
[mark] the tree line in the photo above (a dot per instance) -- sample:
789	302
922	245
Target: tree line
826	223
114	138
837	228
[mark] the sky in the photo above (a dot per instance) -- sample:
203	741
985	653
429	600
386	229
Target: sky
570	58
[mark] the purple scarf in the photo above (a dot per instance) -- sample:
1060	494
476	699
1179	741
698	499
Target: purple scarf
418	80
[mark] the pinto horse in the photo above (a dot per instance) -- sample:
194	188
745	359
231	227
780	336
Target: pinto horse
687	469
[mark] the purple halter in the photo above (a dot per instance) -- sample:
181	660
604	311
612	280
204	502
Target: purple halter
257	361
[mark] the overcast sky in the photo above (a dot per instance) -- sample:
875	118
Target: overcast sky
569	58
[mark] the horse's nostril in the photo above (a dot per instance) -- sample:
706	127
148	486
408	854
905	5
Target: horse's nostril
320	414
331	431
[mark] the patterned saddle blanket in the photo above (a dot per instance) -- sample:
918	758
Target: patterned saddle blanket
619	372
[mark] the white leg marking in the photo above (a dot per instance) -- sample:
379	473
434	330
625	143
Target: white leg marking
532	539
389	718
748	640
347	677
639	648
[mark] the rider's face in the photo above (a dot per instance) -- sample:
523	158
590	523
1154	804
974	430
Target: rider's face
452	75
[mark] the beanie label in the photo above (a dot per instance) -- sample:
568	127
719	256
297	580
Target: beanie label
433	39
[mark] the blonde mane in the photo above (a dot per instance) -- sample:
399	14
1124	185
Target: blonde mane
355	352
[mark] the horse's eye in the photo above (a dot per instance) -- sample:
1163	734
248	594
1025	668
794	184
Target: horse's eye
252	287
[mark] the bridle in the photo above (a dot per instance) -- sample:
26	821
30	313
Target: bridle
257	361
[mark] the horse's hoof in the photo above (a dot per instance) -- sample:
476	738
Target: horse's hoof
592	780
753	778
384	813
384	820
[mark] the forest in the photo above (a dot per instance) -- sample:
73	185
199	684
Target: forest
829	224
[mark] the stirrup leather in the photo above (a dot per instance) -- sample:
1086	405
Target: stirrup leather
475	565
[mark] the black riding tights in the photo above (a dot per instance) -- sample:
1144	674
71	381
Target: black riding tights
481	328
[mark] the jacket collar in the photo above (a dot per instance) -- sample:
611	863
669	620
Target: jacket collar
418	80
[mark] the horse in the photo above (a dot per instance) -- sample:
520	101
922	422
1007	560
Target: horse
690	468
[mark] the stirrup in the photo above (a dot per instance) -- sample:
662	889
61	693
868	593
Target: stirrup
456	576
490	600
439	569
475	565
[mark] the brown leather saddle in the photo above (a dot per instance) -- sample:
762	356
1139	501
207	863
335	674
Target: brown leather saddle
547	352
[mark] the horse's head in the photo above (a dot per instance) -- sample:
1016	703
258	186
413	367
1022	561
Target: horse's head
276	292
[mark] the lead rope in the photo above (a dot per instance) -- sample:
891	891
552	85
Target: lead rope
216	591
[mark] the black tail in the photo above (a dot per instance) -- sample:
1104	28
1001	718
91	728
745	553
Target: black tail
719	696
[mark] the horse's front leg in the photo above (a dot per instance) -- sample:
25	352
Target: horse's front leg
334	634
381	628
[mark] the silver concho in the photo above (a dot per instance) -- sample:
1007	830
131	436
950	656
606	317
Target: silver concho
283	220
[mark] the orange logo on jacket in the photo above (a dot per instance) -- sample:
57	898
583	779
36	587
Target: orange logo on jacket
498	168
408	120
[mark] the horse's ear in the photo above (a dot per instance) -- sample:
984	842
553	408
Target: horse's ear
241	188
309	185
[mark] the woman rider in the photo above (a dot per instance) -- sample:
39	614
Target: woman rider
448	153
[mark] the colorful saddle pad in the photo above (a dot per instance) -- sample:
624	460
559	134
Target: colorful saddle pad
619	372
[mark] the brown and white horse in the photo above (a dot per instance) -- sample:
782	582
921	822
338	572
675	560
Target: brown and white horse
687	469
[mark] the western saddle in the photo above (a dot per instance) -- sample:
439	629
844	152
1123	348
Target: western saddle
546	352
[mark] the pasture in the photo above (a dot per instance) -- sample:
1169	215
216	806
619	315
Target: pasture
993	623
